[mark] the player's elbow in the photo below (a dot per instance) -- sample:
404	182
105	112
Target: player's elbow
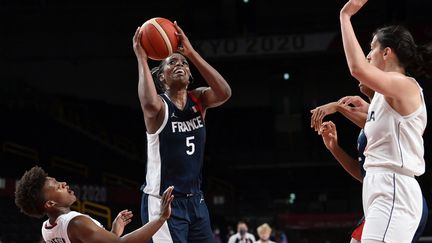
358	68
354	70
227	93
222	99
357	71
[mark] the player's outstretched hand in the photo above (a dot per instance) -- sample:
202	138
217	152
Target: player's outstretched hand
320	112
167	198
352	7
123	218
329	135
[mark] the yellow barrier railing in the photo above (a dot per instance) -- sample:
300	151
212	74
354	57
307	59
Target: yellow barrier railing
93	209
98	210
76	206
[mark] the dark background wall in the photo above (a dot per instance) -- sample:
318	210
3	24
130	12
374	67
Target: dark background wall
69	91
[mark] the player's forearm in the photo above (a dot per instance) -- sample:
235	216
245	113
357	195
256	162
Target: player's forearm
353	51
350	165
357	117
145	232
115	232
147	92
213	78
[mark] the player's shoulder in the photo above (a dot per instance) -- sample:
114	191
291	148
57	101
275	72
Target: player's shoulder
82	226
198	92
79	220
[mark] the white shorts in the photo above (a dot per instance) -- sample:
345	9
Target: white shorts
154	208
392	204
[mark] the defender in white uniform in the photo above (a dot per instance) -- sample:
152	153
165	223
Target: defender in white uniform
392	198
57	232
38	195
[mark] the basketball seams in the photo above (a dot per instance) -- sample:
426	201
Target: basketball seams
149	42
159	38
162	33
170	31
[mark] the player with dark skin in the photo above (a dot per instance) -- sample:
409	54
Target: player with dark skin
176	83
37	195
175	150
328	129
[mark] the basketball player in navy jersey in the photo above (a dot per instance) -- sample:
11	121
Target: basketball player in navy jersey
174	119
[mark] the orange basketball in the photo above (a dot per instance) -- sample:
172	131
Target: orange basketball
158	38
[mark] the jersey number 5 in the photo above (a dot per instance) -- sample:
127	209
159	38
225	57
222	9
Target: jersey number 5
191	146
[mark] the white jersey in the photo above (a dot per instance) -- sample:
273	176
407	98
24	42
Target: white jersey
57	233
394	141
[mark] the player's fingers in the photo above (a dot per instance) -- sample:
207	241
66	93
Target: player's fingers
314	111
343	100
137	33
319	118
179	30
326	124
128	214
329	124
167	193
127	221
314	117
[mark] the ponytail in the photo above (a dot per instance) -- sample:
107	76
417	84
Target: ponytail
417	60
423	62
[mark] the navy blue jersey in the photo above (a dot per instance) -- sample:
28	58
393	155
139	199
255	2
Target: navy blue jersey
176	151
361	145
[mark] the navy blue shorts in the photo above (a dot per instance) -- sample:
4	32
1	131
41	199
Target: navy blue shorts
189	221
423	221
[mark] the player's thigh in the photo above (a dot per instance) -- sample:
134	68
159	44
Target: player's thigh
393	206
200	229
